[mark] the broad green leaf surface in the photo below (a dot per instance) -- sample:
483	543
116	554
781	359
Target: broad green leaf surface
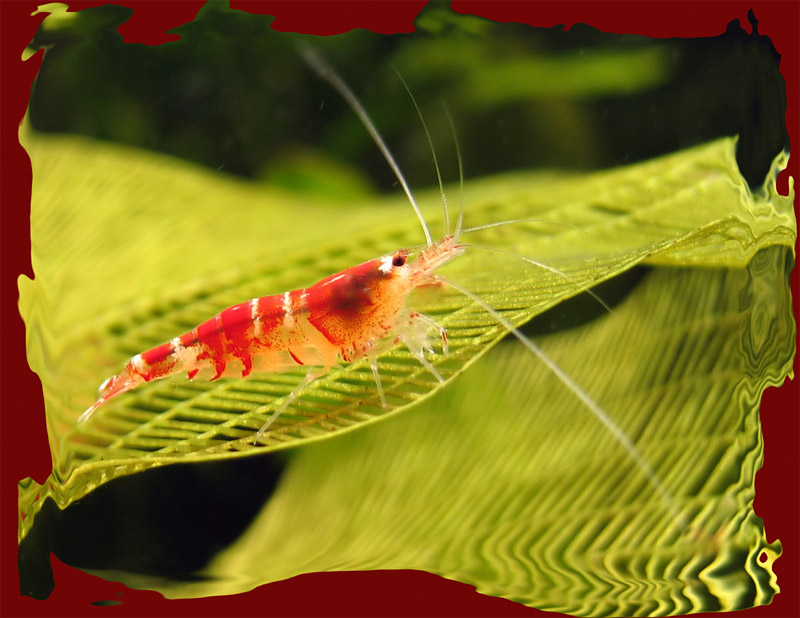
506	482
130	249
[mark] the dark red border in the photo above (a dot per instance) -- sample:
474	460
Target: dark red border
381	593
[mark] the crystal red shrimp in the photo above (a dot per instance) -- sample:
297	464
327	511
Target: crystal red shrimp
349	315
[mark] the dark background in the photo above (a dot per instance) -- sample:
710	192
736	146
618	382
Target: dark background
234	95
719	86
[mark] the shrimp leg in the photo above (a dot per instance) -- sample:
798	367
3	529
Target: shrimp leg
309	378
415	337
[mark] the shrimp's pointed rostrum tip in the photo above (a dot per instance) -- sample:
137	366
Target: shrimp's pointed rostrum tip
113	386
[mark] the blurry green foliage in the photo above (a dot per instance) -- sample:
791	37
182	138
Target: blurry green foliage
234	95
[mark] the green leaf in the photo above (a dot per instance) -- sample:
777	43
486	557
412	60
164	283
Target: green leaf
131	249
506	482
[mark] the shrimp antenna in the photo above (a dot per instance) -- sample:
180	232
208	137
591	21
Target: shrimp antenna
584	397
541	265
454	133
487	226
326	72
433	150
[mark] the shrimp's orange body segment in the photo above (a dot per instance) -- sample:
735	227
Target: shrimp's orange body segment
344	316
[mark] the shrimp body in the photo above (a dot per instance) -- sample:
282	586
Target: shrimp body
346	316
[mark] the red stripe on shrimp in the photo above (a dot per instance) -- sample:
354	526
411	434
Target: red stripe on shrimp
209	337
154	363
238	325
189	339
268	321
157	355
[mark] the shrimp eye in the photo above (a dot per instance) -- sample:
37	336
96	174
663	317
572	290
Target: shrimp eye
398	260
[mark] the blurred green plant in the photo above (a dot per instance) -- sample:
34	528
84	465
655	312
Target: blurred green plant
233	94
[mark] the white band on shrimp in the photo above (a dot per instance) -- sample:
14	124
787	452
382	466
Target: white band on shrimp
255	317
386	264
138	363
288	314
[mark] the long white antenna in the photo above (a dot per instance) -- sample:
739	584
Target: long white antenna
326	72
460	220
584	397
433	150
487	226
541	265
